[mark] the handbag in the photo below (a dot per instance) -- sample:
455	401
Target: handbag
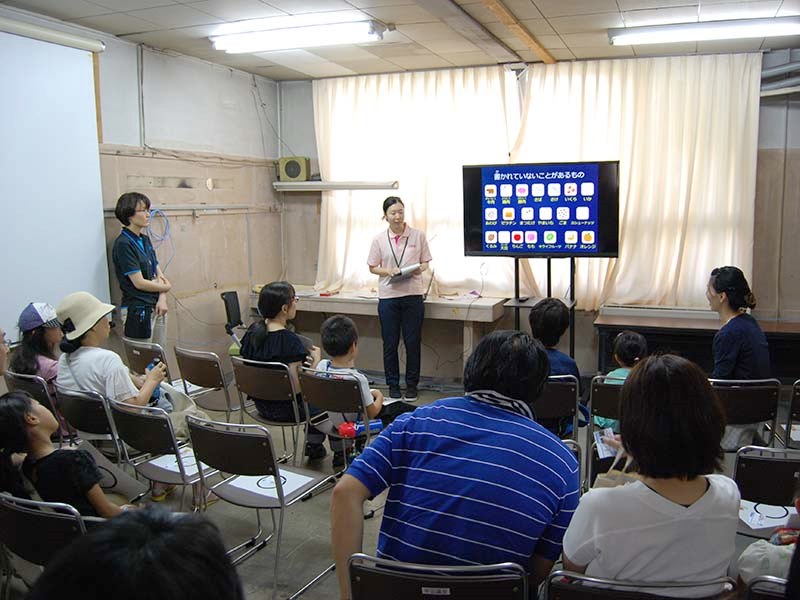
616	476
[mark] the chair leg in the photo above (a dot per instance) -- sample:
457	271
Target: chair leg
277	555
329	569
256	543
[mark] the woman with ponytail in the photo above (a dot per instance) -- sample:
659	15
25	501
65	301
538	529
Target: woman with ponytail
59	475
740	347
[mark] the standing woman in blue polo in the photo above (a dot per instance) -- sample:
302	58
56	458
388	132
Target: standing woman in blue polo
400	300
142	282
740	347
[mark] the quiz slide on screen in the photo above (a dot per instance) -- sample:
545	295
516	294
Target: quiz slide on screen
540	208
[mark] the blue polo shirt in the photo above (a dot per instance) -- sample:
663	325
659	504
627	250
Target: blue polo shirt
133	254
471	481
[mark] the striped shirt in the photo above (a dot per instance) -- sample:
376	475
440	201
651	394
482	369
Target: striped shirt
472	480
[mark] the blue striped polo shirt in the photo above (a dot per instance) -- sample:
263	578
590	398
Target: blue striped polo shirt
472	480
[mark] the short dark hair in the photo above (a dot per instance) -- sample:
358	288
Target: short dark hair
338	333
127	204
273	297
732	281
511	363
148	553
630	347
391	201
549	319
670	419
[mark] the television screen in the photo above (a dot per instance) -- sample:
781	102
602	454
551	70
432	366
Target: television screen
542	210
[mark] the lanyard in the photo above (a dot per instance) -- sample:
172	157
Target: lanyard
397	262
139	242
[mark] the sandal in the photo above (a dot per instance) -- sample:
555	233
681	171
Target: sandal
161	495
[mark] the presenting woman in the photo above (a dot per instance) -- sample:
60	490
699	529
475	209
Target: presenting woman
740	347
398	256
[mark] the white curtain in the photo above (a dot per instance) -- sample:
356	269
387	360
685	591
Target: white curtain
685	132
418	128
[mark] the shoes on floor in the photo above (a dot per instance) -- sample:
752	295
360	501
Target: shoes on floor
394	392
315	451
338	459
160	493
411	394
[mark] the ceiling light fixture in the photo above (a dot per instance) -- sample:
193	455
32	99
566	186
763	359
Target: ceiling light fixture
313	36
708	30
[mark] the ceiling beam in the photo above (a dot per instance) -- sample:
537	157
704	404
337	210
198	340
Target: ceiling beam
462	22
508	19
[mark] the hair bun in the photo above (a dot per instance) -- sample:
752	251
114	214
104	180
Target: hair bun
750	300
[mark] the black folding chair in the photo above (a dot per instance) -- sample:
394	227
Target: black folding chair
87	412
372	578
140	354
37	388
559	401
566	585
766	587
233	315
749	402
204	369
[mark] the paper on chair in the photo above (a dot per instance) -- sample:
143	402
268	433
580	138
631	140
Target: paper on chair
795	433
265	485
190	387
766	516
170	462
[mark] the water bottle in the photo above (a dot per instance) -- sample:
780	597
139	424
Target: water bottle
375	425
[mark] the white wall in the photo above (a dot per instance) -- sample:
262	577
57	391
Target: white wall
189	104
298	137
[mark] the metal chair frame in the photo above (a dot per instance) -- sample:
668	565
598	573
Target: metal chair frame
212	379
574	587
756	412
371	577
149	430
770	490
37	388
766	587
792	415
544	410
139	354
89	429
279	388
249	452
62	521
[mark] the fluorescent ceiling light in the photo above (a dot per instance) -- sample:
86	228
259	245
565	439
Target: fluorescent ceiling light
267	23
300	37
708	30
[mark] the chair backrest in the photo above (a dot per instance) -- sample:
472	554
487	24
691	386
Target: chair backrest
604	397
233	314
33	385
559	400
566	585
794	411
767	475
143	428
267	381
140	354
200	368
766	587
85	410
37	531
335	392
233	449
378	578
748	401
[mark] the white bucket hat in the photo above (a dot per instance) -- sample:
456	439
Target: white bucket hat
79	312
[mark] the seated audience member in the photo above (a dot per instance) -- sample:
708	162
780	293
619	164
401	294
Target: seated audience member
679	522
773	556
740	347
37	354
340	341
58	474
472	479
549	319
629	348
143	555
270	341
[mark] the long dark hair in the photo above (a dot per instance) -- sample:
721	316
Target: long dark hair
24	360
271	301
13	439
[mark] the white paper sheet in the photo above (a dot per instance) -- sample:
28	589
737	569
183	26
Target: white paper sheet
170	462
192	388
766	516
795	433
265	485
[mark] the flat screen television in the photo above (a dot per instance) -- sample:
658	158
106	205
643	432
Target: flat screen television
553	210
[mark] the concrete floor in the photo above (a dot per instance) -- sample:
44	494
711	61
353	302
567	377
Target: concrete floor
306	546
